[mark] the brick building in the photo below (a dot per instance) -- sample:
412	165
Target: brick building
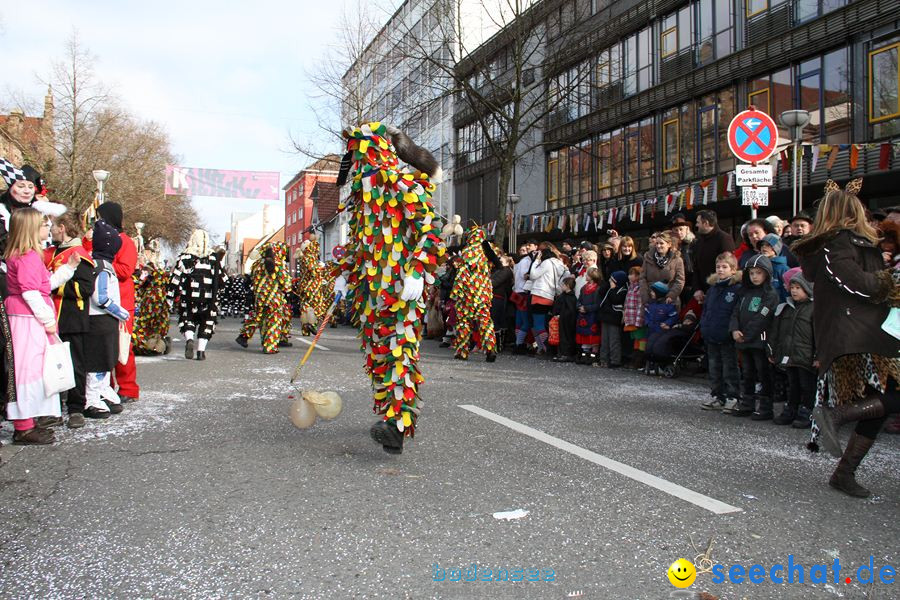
307	201
28	140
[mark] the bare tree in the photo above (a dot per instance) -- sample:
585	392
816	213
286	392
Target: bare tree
92	132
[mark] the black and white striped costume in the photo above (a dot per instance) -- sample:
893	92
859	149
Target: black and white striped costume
194	287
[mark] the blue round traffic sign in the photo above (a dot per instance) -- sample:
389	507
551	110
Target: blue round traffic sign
752	136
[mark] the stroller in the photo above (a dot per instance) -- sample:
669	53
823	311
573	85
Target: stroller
670	364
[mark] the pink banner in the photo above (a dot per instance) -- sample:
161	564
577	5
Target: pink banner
254	185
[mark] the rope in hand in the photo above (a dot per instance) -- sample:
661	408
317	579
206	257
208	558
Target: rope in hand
703	561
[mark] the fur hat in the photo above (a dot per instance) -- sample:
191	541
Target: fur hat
620	277
660	288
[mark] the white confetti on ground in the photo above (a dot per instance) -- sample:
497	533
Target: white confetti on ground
154	410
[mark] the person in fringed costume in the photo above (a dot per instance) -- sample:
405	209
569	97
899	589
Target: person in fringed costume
310	286
393	252
473	293
857	345
151	324
196	280
271	283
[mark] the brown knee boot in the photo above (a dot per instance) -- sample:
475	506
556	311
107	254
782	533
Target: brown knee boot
829	420
843	478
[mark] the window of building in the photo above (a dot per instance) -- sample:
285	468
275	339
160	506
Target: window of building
757	7
671	145
804	10
638	62
715	29
639	169
604	167
676	32
884	89
760	99
822	87
553	177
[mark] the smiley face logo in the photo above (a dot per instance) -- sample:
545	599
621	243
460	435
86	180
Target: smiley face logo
682	573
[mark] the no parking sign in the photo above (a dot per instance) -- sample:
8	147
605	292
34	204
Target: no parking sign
752	136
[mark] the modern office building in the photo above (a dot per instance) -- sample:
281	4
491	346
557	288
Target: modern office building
640	95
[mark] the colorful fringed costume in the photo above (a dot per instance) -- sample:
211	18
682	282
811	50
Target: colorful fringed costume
151	324
271	283
393	251
311	278
473	293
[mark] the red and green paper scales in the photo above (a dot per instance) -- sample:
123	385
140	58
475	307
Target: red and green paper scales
472	287
310	286
153	316
391	235
271	288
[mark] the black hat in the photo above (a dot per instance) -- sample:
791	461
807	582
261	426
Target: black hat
106	241
802	216
586	245
111	212
32	175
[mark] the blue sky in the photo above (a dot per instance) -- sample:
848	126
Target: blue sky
227	79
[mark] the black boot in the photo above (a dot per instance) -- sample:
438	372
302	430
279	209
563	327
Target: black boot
830	420
201	354
387	434
763	410
787	416
491	357
241	341
803	419
843	478
745	406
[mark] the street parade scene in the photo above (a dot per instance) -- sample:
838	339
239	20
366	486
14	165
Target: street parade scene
553	299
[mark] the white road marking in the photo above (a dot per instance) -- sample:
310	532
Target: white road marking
710	504
309	343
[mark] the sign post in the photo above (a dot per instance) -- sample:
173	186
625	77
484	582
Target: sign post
752	137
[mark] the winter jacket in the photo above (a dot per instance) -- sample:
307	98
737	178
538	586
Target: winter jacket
659	313
789	341
564	306
721	298
753	314
520	272
779	268
72	300
612	305
854	294
707	246
633	314
672	275
545	276
590	300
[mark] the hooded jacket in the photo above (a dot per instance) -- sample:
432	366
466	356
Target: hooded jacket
721	298
753	314
125	261
612	305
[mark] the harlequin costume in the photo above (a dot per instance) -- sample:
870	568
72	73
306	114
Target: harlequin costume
473	293
393	251
271	284
311	280
151	323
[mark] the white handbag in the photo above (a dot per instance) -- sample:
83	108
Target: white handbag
59	374
124	344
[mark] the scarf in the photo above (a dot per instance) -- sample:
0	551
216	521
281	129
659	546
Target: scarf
662	261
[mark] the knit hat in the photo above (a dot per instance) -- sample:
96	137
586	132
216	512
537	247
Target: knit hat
795	275
620	277
106	241
774	241
111	212
660	288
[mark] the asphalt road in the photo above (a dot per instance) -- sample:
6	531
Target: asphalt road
204	489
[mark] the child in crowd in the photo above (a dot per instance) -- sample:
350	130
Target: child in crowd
32	321
103	337
587	330
664	346
659	315
633	318
721	298
770	247
749	322
565	306
610	315
790	346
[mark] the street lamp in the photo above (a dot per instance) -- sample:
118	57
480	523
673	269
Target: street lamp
513	200
100	176
795	121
